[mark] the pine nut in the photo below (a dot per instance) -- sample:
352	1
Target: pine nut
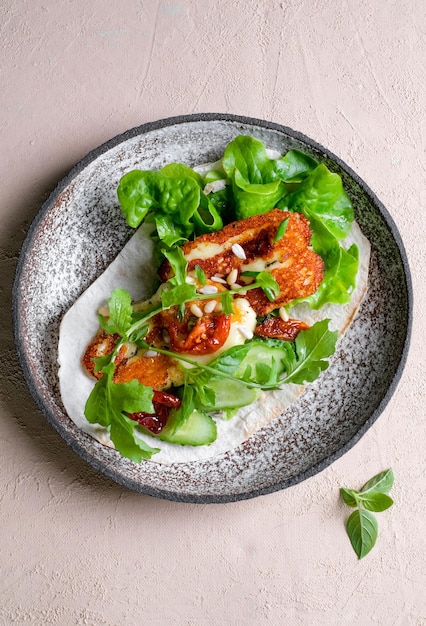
195	310
208	289
238	251
151	353
283	314
210	306
218	279
232	276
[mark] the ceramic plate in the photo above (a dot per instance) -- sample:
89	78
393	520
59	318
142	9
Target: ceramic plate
80	230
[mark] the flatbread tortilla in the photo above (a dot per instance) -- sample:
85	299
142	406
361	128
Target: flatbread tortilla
133	270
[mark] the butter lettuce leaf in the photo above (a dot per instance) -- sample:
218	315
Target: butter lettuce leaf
340	266
259	182
321	194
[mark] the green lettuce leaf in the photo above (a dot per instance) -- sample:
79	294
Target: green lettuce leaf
322	195
340	266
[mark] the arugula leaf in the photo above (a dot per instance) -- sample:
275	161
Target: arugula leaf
186	408
126	441
178	295
96	409
227	300
178	264
120	313
312	348
107	404
267	282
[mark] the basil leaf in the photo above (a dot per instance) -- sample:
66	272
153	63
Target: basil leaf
382	482
376	501
349	497
362	529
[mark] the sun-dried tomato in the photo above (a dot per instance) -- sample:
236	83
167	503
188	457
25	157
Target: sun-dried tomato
163	403
277	328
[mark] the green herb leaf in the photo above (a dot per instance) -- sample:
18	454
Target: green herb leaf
107	404
131	397
120	312
201	277
170	233
226	301
362	529
281	230
96	409
323	194
178	295
139	334
267	282
361	525
101	362
349	497
375	501
126	441
382	482
313	347
178	264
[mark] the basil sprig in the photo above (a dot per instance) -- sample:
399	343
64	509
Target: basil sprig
361	526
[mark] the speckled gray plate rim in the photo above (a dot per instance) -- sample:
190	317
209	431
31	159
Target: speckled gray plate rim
58	260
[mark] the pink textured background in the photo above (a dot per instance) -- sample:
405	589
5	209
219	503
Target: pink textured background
78	549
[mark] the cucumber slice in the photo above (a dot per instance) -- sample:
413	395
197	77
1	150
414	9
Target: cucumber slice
230	394
198	430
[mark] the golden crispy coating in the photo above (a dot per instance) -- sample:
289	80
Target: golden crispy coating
291	261
157	370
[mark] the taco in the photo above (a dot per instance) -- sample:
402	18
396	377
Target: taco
228	300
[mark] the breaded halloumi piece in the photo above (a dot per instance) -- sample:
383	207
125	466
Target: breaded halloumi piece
252	245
